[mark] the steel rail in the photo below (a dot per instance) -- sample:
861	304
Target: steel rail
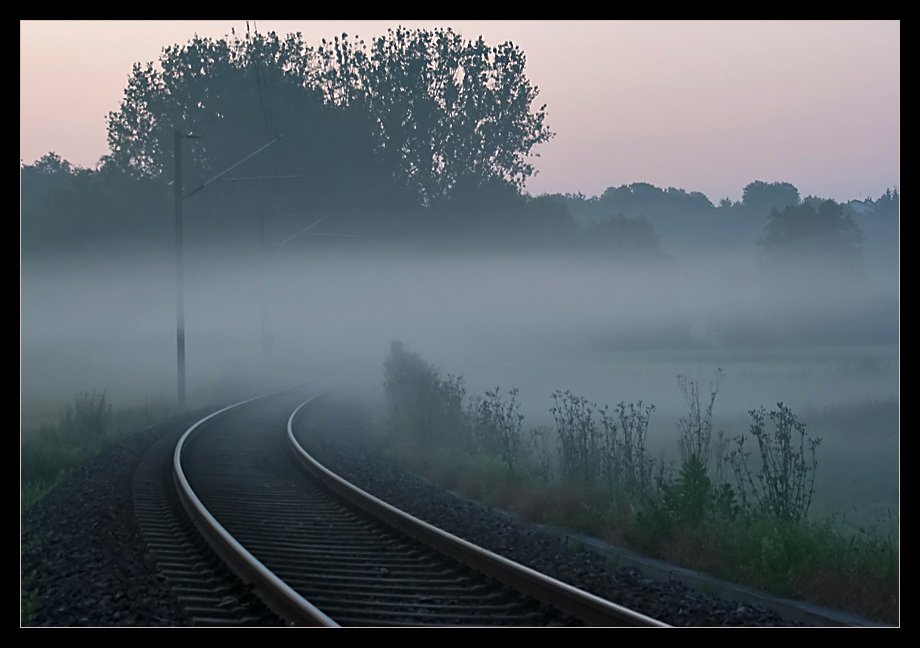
289	604
277	594
592	609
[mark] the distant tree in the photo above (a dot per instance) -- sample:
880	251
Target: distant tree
644	199
822	235
583	210
693	202
632	199
67	206
888	204
727	205
495	214
52	163
623	236
544	221
761	197
48	174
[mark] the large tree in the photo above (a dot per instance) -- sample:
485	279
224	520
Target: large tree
418	109
446	109
452	109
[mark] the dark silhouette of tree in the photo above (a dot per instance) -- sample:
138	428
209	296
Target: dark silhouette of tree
632	199
413	114
234	96
446	109
622	237
726	205
644	199
64	206
53	164
819	233
888	204
762	197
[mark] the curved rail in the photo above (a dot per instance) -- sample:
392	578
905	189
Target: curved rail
275	592
584	605
288	603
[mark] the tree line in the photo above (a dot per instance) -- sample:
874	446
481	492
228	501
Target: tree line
64	206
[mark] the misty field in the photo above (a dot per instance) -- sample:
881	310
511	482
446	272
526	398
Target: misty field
532	322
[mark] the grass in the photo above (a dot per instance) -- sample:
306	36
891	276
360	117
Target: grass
82	428
53	449
686	519
820	562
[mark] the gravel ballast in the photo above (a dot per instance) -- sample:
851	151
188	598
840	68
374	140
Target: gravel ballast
83	560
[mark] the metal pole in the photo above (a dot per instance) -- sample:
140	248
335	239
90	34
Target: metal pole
180	288
266	325
180	271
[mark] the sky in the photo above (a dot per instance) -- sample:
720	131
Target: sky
704	106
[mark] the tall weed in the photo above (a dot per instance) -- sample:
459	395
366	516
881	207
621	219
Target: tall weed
627	467
498	426
784	484
541	442
694	436
579	439
87	417
85	426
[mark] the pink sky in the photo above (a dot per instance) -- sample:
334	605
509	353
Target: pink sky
701	105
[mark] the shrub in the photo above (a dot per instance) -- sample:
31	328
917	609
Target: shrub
498	426
49	453
784	485
695	430
614	453
88	417
425	408
579	447
695	494
540	441
626	466
689	496
685	514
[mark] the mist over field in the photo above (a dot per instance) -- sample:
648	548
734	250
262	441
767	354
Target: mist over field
466	313
536	321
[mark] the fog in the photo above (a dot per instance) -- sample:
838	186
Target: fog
479	315
538	322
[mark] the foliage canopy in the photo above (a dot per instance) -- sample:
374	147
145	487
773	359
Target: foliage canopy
762	197
419	109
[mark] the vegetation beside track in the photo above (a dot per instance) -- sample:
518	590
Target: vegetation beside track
81	429
737	507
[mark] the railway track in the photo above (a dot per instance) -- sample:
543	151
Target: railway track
318	551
